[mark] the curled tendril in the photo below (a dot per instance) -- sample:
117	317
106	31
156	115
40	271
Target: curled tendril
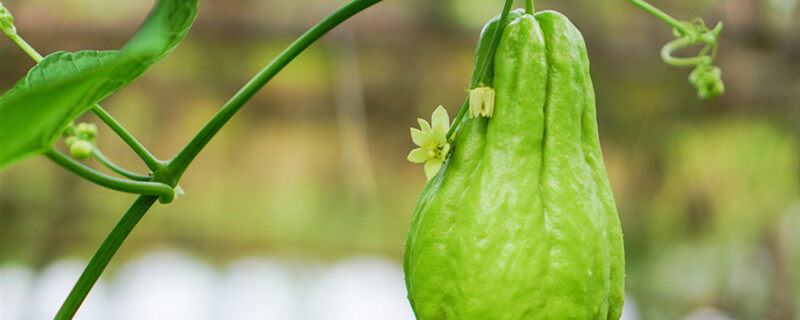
706	77
696	27
7	21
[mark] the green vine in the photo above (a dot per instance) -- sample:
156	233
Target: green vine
103	256
163	191
162	183
119	170
171	172
148	158
178	165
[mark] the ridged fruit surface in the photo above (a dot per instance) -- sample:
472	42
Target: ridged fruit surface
520	223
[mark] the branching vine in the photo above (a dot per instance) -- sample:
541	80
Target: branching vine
162	181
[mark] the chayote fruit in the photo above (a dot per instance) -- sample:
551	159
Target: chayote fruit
520	222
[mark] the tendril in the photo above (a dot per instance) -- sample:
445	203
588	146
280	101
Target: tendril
706	78
7	21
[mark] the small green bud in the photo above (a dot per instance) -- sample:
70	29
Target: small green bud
68	131
81	149
70	140
87	131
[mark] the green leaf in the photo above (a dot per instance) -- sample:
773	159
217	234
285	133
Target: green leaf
64	85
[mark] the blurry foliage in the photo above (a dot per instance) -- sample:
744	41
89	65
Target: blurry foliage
707	191
713	222
720	175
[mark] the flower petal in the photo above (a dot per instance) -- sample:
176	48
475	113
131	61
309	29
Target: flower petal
441	124
420	138
424	125
445	151
432	167
439	135
440	117
418	156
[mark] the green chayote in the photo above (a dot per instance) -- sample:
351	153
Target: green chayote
520	222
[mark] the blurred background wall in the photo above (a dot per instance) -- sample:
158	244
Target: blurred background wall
313	172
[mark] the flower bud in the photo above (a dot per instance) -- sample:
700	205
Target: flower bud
481	102
87	131
81	149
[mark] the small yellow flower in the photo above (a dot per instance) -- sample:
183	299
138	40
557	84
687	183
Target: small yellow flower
481	102
432	141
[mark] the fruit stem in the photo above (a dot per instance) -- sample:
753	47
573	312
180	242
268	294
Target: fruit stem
484	65
529	6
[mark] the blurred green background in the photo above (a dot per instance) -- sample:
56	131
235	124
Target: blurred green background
314	166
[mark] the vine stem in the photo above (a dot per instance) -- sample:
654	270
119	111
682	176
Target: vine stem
661	15
114	167
178	165
25	47
670	20
165	192
529	7
137	147
103	255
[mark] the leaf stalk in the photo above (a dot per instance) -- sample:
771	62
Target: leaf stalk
137	147
114	167
165	193
180	162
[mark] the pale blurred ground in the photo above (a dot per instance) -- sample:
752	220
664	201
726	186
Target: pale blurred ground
169	285
312	172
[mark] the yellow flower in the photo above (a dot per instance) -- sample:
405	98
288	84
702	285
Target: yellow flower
432	141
